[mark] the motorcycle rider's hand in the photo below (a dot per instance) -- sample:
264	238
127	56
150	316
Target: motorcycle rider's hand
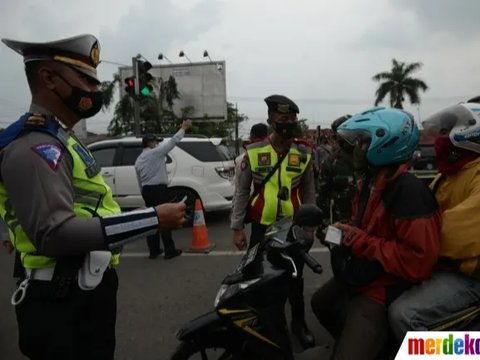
239	239
171	215
349	233
320	233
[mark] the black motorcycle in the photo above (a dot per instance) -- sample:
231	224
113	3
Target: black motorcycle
249	321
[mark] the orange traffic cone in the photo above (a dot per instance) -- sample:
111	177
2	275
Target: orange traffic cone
200	243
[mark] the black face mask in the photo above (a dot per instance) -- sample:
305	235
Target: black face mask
360	162
285	130
82	103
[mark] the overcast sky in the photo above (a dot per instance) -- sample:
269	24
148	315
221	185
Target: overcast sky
322	54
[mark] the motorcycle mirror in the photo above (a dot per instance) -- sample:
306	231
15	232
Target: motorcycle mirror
308	215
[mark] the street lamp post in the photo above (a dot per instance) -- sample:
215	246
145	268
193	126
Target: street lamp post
161	57
205	54
182	54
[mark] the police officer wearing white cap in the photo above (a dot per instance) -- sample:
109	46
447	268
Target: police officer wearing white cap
60	213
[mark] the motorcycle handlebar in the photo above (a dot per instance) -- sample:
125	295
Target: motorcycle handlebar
312	263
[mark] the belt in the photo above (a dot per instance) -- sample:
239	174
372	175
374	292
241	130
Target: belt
40	274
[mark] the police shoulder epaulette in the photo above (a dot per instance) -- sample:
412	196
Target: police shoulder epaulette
306	143
256	142
36	121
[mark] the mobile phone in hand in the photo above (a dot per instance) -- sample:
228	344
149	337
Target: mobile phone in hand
333	235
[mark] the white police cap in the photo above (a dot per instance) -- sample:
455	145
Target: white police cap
81	52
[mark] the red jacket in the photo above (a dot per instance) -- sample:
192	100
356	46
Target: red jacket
400	229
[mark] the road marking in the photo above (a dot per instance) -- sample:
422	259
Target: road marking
211	253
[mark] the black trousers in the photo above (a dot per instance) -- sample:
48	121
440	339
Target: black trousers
154	195
80	325
357	323
295	296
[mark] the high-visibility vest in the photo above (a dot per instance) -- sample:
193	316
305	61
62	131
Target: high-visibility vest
93	197
267	207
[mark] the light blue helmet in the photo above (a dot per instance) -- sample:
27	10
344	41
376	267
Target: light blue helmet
392	134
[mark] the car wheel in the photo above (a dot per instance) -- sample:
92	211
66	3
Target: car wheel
177	194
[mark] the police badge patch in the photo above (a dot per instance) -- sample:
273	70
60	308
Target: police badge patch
92	168
293	160
51	153
264	159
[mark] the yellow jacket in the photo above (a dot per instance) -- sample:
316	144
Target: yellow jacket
459	198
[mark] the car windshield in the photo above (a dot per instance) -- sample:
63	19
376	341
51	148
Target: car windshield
205	151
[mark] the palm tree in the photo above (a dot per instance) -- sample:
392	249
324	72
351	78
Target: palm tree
398	82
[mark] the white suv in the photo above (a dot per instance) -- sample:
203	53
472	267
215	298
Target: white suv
198	167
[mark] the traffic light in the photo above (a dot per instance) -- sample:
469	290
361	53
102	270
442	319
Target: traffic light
130	88
144	77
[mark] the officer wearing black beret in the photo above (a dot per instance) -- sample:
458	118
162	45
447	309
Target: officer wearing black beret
280	168
61	214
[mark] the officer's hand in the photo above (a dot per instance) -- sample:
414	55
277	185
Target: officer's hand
239	239
186	124
8	246
171	215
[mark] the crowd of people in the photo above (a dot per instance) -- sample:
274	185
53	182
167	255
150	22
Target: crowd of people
408	255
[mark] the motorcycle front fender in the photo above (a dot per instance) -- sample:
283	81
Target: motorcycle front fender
208	329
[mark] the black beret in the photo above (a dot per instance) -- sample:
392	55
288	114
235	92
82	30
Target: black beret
281	104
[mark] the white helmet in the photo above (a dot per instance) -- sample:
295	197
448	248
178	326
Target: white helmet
461	123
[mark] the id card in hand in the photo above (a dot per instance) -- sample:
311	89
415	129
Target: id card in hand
333	235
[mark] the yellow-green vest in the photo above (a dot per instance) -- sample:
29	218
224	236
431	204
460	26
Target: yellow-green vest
92	195
266	207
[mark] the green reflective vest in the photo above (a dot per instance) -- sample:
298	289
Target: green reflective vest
281	194
92	195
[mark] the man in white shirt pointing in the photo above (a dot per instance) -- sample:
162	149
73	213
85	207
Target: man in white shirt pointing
152	177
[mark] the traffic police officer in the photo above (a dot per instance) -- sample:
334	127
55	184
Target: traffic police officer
291	185
59	211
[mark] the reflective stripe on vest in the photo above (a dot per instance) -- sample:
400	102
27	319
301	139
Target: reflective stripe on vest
91	196
266	206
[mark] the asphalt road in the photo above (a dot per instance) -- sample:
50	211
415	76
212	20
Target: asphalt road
157	296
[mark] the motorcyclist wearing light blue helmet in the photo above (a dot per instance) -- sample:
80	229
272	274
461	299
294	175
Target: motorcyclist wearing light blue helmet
391	134
391	242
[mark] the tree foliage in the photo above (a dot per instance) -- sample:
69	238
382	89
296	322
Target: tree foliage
397	83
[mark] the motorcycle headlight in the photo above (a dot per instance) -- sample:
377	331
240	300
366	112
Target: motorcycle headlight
220	293
227	291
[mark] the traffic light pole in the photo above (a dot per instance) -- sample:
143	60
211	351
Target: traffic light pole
136	106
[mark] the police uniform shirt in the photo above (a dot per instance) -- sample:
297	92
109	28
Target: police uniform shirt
36	171
43	197
150	165
243	183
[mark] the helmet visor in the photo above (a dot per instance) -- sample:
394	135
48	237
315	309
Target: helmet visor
441	123
355	136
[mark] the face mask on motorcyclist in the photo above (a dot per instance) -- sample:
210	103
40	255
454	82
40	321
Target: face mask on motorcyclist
451	159
285	129
360	162
82	103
